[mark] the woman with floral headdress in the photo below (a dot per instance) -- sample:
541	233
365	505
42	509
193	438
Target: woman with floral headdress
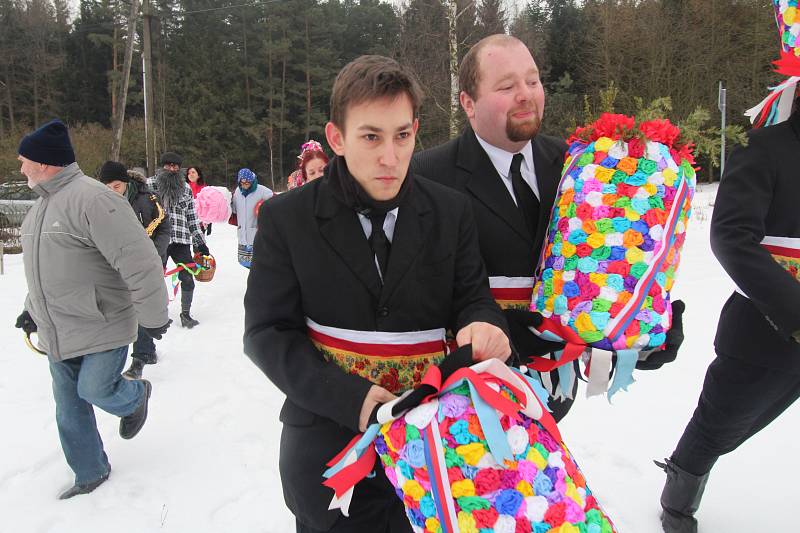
246	201
310	164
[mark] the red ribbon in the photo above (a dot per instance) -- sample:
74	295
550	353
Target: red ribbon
347	477
788	64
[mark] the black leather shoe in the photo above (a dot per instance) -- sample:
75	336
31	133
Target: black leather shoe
84	488
130	425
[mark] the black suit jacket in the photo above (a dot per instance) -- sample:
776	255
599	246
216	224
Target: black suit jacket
312	259
759	196
507	247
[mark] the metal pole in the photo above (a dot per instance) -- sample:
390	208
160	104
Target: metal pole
722	104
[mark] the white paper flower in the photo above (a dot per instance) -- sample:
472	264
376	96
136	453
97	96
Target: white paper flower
535	507
505	524
517	439
594	198
555	460
618	150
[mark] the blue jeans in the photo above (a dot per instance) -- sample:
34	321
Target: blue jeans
78	384
144	348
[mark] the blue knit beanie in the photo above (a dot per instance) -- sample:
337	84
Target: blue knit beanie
48	145
246	174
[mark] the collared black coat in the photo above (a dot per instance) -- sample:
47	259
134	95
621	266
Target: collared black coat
759	196
312	259
507	247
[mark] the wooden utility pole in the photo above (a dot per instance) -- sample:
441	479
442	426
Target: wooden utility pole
452	16
147	77
119	112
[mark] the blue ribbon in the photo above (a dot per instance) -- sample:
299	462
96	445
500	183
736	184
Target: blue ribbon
360	447
623	376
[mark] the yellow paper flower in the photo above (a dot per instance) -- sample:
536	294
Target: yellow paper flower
584	322
789	15
669	176
603	174
596	240
536	458
632	215
598	279
431	524
465	487
414	489
471	453
572	493
650	188
603	144
466	523
524	488
567	249
566	527
634	255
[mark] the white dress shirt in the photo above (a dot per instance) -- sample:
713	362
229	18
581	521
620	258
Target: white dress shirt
388	224
502	163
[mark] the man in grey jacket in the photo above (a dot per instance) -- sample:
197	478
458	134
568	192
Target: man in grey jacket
92	275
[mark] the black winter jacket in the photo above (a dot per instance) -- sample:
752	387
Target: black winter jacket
150	213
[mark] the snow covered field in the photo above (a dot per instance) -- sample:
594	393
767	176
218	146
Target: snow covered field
207	459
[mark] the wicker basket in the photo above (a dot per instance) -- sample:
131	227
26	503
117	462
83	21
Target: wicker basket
209	266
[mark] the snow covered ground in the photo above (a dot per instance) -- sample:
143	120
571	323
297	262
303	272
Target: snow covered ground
207	459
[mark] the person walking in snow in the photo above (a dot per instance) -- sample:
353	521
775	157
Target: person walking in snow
755	235
132	186
92	276
176	197
245	204
369	251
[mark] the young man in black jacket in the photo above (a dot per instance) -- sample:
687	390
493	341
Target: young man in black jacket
156	224
755	235
365	258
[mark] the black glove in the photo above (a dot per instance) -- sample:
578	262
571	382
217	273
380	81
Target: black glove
202	249
674	340
526	342
26	323
157	333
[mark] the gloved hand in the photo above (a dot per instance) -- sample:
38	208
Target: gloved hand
157	333
524	340
657	359
26	323
202	249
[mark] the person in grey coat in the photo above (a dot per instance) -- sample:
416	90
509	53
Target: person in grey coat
92	275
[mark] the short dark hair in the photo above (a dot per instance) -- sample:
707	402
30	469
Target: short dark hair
469	73
371	77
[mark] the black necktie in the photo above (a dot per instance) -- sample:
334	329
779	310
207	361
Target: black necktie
379	242
527	202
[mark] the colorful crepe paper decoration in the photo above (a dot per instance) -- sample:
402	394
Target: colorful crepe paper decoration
776	107
482	456
615	236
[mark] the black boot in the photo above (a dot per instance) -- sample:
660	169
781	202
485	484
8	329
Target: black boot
130	425
186	305
84	488
135	370
680	498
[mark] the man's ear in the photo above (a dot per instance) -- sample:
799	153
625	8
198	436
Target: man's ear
335	138
467	104
415	126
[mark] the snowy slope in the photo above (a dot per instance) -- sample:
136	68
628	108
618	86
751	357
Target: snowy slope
207	459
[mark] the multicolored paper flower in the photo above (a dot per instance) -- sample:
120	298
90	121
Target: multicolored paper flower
541	490
615	234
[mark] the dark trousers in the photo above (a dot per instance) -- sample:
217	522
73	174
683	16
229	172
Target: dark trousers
182	253
144	348
371	510
737	401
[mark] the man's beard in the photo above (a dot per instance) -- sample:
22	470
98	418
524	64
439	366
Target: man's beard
523	131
